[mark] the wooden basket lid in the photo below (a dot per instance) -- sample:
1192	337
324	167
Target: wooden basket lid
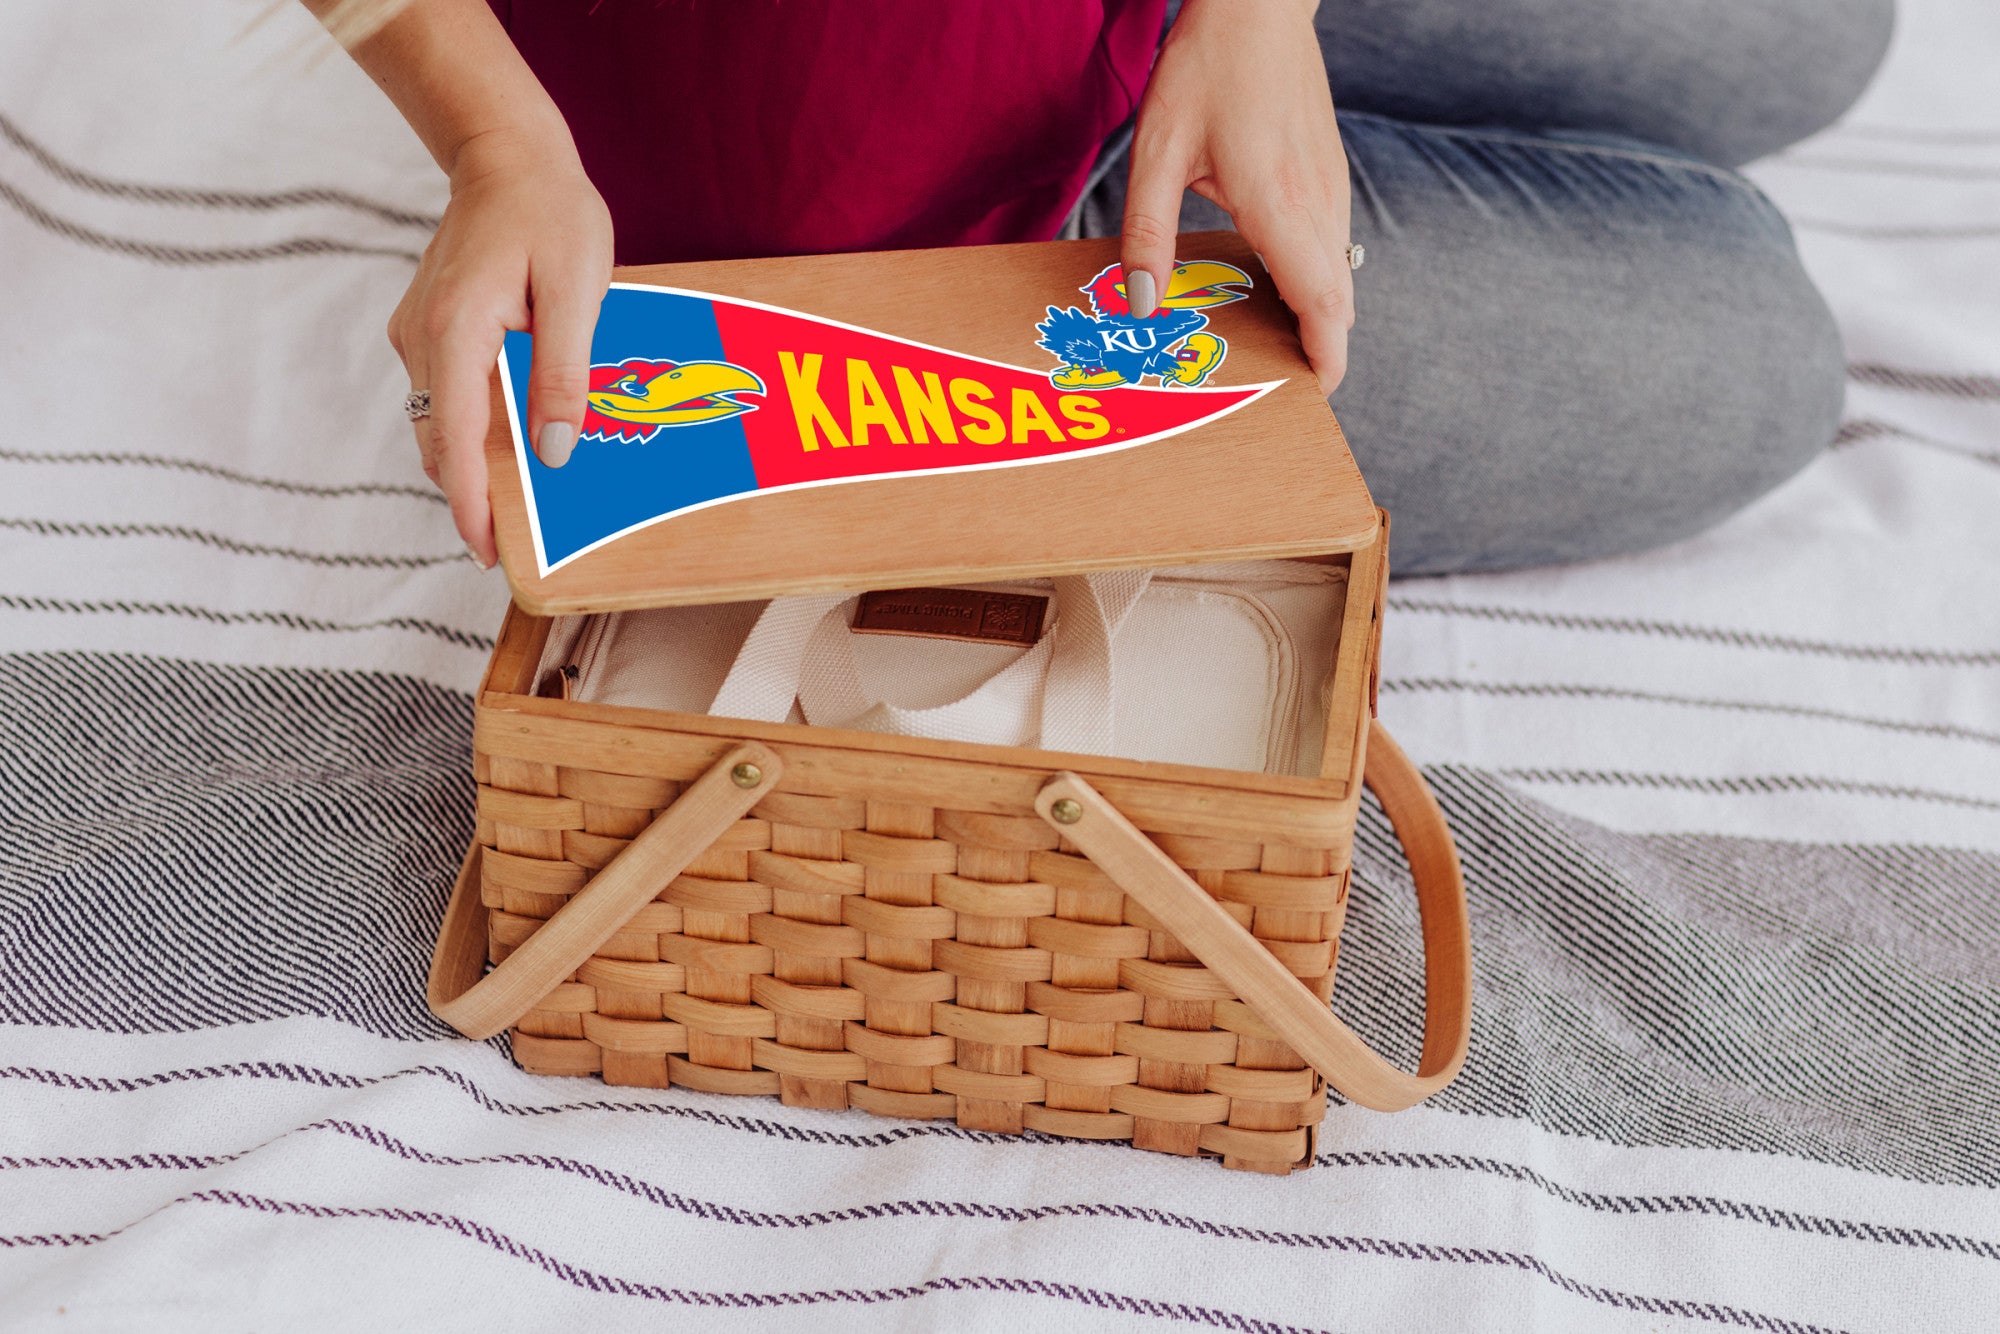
1264	471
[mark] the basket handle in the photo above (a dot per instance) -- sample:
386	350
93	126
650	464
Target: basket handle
1297	1016
480	1006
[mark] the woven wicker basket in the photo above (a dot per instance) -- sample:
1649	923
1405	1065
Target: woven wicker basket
1015	939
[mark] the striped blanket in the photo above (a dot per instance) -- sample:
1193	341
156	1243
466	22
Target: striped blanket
1730	815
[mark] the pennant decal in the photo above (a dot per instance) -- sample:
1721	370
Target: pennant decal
698	400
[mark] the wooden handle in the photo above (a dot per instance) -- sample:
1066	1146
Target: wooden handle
1297	1016
479	1006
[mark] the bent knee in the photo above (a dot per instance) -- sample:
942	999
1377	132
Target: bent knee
1515	403
1810	68
1723	80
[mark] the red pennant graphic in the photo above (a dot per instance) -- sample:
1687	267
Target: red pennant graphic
699	400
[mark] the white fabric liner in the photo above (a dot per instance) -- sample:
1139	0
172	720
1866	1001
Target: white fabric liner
1225	666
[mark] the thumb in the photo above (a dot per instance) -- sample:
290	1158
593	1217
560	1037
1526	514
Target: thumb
1152	223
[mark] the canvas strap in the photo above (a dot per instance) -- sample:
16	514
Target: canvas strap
1057	695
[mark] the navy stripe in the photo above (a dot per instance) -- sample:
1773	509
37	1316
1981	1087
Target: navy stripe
295	248
1533	690
189	197
428	494
1924	382
294	1073
1749	785
1708	1206
1159	1308
1732	638
223	542
1625	1205
283	620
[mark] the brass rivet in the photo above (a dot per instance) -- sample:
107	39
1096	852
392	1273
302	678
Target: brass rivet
1066	811
747	775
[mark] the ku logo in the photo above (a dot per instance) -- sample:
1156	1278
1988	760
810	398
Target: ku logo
635	400
1110	346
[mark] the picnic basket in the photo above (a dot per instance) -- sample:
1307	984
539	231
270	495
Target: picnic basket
1012	938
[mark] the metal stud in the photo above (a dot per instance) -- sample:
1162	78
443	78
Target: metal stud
747	775
1066	811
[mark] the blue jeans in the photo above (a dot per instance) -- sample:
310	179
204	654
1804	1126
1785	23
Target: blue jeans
1579	332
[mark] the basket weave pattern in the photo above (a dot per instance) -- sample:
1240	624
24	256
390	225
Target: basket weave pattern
914	961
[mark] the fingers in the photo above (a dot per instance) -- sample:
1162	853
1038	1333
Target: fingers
426	438
460	365
1152	220
565	314
526	245
1313	279
416	365
449	342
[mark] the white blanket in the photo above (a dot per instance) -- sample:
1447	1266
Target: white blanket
1730	815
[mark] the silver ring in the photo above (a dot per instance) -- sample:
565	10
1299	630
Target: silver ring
417	404
1356	256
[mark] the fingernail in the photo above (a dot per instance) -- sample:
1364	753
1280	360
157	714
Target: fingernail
476	558
557	440
1141	293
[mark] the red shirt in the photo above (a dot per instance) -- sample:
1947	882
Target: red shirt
735	128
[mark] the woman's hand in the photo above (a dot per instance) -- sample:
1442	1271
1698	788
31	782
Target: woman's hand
525	244
1238	109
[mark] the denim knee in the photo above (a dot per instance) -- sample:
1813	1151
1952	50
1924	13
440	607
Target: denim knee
1726	81
1565	352
1813	62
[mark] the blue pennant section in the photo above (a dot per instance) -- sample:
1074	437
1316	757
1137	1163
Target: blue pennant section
609	486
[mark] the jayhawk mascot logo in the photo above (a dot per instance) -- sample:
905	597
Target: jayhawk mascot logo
635	400
1111	346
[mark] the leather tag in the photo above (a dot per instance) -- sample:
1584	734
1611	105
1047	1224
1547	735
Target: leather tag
953	613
